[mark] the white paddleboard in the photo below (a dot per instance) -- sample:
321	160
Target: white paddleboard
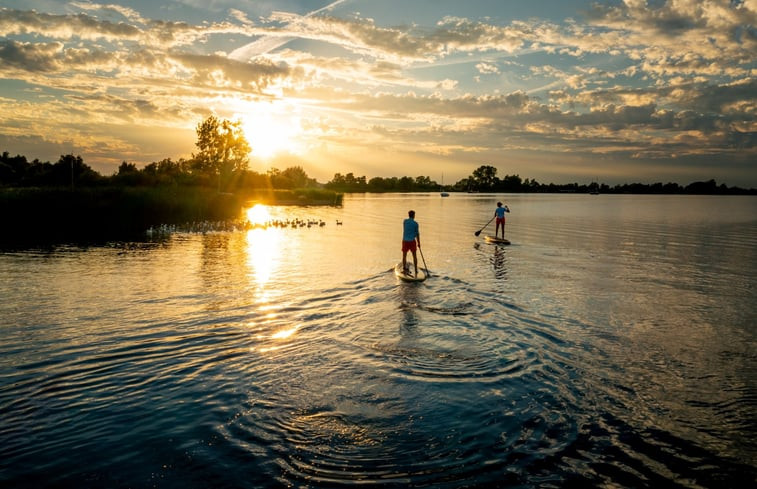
495	240
410	275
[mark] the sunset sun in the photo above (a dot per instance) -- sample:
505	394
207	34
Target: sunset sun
271	130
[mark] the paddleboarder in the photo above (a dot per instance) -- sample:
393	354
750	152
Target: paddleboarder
410	236
499	213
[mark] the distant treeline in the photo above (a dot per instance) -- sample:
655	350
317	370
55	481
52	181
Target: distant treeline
71	171
351	183
484	179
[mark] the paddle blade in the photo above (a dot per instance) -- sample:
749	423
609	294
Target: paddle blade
477	233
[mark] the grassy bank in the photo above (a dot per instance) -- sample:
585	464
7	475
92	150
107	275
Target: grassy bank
93	213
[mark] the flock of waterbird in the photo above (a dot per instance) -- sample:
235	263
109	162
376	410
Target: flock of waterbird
203	227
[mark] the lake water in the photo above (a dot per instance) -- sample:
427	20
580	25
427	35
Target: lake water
613	344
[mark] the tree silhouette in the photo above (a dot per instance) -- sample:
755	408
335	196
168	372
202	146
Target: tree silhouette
223	148
484	178
71	170
296	177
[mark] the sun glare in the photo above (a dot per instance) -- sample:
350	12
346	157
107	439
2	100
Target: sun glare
271	130
258	215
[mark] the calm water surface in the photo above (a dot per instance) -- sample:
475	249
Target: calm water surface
613	344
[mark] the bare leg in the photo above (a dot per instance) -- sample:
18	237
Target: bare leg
415	262
404	261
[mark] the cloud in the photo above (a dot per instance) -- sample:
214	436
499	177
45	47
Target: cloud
684	36
126	12
487	68
634	80
38	57
217	72
64	27
156	33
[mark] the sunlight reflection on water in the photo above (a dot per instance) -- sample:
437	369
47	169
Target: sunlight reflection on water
610	344
263	254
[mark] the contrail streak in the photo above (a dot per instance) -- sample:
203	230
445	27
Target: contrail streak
268	43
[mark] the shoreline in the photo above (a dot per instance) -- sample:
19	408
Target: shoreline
34	215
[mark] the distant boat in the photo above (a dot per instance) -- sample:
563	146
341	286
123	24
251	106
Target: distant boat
441	188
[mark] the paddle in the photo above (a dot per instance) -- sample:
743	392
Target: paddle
428	273
479	231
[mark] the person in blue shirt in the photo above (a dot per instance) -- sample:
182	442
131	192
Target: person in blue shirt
410	236
499	213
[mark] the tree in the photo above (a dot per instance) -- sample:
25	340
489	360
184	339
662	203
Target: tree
71	170
125	168
377	184
336	182
708	187
347	183
511	183
297	177
405	184
424	183
128	174
223	148
484	177
12	169
291	178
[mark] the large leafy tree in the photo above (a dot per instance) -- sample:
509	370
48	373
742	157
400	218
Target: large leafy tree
222	148
484	178
292	177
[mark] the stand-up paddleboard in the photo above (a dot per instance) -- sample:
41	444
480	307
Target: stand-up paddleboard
495	240
410	275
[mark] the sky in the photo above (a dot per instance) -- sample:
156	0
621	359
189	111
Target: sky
559	91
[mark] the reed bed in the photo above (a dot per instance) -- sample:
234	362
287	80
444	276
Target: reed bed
62	214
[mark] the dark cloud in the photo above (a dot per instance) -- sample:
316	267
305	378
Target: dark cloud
255	75
39	57
63	26
35	147
729	98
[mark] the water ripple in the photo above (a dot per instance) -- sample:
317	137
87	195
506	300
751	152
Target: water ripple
587	354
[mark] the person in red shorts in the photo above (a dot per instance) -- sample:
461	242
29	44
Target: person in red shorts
499	212
410	236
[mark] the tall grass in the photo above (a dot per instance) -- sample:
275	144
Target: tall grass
55	214
107	212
